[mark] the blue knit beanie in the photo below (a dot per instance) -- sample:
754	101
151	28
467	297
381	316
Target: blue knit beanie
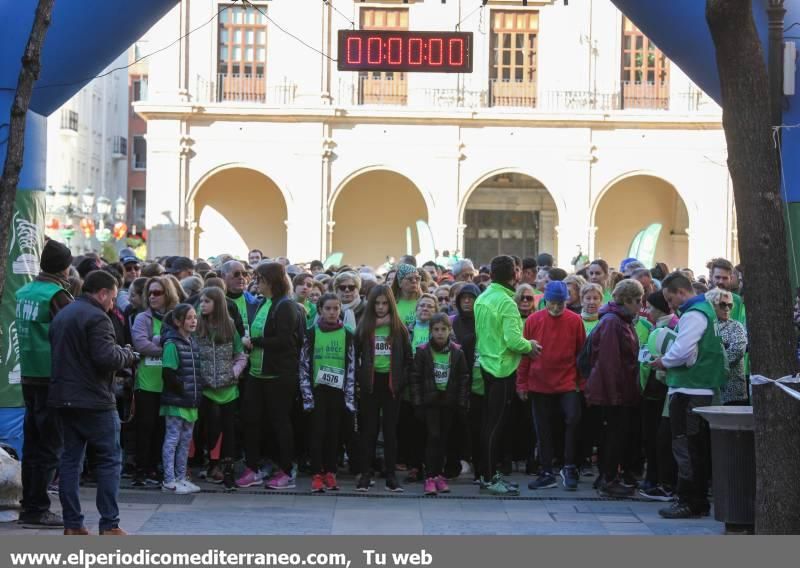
556	292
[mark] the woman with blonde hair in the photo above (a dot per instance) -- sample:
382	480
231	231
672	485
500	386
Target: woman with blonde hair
734	340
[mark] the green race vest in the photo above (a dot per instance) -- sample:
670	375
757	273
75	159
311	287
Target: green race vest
311	313
148	373
241	305
329	358
441	370
422	333
711	369
257	330
383	349
33	326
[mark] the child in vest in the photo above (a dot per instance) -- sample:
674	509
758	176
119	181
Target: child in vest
440	386
327	386
181	397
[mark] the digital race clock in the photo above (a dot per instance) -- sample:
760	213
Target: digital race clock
431	52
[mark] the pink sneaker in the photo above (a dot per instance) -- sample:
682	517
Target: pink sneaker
441	484
280	481
248	479
430	486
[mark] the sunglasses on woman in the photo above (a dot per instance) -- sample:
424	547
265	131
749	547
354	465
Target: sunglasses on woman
156	293
347	288
725	306
526	298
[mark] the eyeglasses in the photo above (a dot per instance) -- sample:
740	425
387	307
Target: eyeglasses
443	298
131	267
725	306
156	293
526	298
347	288
239	274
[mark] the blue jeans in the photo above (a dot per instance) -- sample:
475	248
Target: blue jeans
99	429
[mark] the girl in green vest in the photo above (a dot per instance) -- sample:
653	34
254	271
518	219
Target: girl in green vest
406	288
327	386
159	297
384	360
222	361
597	273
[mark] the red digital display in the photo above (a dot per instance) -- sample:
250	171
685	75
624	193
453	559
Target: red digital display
433	52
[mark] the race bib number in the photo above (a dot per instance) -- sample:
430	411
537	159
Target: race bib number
152	361
645	356
441	372
331	377
382	346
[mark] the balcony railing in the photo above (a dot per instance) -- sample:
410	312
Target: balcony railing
69	120
120	147
245	89
644	95
519	94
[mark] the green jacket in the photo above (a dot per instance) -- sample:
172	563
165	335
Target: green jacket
33	326
710	371
498	328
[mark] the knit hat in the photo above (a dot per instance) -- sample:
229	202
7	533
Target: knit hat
55	257
657	300
556	291
404	270
624	264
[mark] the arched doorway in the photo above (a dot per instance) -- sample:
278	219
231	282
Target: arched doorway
371	214
238	209
631	205
509	213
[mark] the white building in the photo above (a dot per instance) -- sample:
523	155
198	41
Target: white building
572	131
87	142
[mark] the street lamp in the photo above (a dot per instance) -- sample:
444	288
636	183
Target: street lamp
74	199
62	199
87	199
120	209
103	207
50	199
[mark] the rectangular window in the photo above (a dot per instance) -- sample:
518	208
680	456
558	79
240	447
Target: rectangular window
139	156
242	54
513	45
138	208
645	70
388	88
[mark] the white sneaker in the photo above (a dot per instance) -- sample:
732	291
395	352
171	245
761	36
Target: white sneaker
181	488
192	488
169	487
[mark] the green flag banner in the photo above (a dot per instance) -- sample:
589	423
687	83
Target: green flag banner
24	250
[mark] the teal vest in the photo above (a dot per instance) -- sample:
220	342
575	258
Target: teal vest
33	327
711	369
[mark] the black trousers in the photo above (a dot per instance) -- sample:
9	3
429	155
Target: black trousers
379	408
410	434
149	431
651	420
500	391
667	468
274	397
691	448
465	437
567	408
589	431
220	419
615	440
326	418
438	421
41	450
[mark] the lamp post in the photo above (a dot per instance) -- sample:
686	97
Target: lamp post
776	13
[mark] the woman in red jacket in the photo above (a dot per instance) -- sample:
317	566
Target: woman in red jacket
553	382
613	384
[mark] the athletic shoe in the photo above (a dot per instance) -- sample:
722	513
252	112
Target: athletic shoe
497	487
646	485
587	470
545	480
413	475
190	486
679	510
264	472
248	478
182	489
569	477
330	482
441	484
392	484
615	490
317	484
280	481
656	493
214	474
46	520
169	487
363	483
430	486
227	479
629	480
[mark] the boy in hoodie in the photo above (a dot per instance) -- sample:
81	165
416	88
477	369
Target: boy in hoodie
553	382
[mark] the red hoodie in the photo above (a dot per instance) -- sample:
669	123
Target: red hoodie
554	370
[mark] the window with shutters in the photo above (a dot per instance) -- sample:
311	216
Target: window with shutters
645	70
242	54
387	87
513	58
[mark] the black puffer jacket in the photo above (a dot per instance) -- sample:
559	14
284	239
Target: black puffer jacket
182	387
85	356
423	388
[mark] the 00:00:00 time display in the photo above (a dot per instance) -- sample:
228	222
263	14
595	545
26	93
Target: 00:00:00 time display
448	52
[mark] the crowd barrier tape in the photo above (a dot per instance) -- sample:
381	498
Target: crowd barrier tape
780	383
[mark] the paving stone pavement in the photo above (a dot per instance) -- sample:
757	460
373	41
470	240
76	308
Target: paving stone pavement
464	511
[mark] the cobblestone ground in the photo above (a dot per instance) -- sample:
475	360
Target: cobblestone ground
257	511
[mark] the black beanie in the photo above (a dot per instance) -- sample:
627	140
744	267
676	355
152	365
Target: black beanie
657	300
55	257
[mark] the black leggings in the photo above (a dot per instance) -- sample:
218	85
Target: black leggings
499	393
651	419
149	431
220	419
615	440
273	397
410	431
326	419
438	421
381	403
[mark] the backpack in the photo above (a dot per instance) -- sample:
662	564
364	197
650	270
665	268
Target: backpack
584	362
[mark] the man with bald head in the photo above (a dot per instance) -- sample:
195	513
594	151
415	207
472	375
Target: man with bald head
235	277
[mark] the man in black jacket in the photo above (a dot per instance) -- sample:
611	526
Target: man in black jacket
85	357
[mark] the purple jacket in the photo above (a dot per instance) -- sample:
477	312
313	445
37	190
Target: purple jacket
614	380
